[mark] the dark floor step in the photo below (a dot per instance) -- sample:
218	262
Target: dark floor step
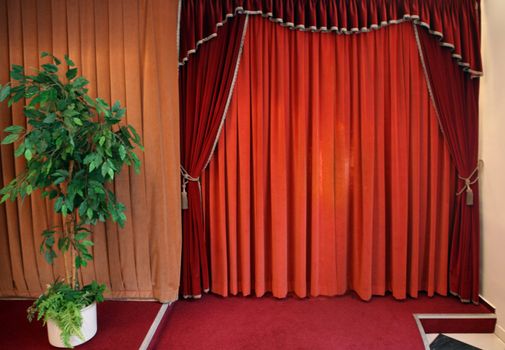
457	323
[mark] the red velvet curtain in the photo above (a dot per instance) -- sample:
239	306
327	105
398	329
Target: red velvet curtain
455	23
205	84
456	97
453	28
331	173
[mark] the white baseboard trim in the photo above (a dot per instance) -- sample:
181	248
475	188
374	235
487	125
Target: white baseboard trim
454	316
154	326
487	301
500	332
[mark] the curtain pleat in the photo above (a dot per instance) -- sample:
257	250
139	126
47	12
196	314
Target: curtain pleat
205	86
331	173
118	47
456	100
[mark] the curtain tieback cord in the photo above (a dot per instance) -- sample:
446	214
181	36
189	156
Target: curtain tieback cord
186	178
469	181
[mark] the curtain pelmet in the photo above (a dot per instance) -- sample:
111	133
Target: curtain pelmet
455	23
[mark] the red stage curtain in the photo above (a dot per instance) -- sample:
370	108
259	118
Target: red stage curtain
454	22
456	99
204	85
331	173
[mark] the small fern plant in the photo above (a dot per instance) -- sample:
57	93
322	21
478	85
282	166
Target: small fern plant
73	145
63	304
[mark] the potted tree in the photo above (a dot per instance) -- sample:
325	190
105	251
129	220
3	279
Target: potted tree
73	146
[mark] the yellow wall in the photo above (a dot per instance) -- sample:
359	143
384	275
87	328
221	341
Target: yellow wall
492	151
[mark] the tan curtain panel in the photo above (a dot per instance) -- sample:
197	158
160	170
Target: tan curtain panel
127	50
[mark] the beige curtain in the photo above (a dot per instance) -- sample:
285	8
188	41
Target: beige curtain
127	49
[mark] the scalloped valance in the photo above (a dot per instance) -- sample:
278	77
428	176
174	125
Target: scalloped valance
455	23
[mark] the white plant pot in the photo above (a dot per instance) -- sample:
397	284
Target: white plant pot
88	329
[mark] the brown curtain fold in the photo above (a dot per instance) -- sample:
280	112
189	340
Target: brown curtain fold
455	23
127	50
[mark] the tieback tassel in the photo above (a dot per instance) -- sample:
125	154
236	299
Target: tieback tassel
185	180
469	181
184	195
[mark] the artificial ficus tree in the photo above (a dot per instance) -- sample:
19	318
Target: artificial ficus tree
73	146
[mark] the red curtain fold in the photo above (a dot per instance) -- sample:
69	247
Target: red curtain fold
456	99
204	85
454	22
331	173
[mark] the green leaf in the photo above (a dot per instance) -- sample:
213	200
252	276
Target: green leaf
58	181
50	118
136	162
20	150
69	61
17	68
80	82
28	154
134	132
81	235
6	90
120	113
64	210
4	197
116	106
17	72
77	121
50	68
87	243
15	129
102	103
40	98
47	233
105	169
62	243
70	112
49	241
89	158
49	256
58	204
10	139
31	91
71	73
122	152
89	100
32	113
44	54
29	189
17	75
78	261
61	172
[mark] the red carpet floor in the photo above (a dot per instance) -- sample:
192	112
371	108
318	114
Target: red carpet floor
121	325
343	322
